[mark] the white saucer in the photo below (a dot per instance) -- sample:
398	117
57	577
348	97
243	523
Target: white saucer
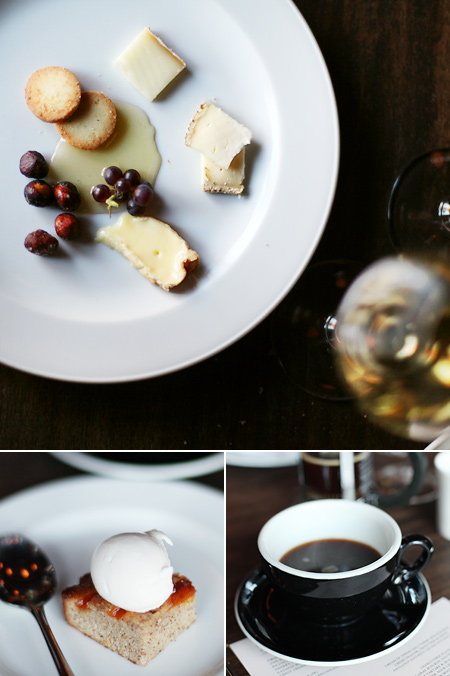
278	628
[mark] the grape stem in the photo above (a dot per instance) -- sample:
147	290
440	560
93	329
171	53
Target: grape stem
111	202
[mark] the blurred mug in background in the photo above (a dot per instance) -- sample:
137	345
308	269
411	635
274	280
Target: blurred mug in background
351	475
442	465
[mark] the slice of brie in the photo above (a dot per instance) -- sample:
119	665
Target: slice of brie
148	64
152	247
231	180
216	135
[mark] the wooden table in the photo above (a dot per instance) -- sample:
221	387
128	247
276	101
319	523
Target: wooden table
254	495
388	62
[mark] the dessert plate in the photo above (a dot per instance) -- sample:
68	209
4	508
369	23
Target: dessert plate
86	315
276	627
150	465
68	519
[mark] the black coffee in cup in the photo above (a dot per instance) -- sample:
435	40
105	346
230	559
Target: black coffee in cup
330	556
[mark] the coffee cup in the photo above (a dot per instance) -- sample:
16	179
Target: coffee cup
333	594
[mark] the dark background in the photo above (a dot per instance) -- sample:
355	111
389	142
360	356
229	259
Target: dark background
389	64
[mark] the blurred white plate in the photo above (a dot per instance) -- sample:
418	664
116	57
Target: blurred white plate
263	458
442	443
68	519
190	466
88	315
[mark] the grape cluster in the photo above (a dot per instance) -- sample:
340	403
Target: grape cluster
40	193
124	187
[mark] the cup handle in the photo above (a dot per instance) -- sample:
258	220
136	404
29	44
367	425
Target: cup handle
405	571
420	467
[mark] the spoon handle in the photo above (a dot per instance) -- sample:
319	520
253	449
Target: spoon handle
59	659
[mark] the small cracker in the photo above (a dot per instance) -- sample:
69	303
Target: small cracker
92	123
52	93
227	181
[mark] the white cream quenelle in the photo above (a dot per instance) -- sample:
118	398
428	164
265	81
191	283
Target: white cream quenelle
133	571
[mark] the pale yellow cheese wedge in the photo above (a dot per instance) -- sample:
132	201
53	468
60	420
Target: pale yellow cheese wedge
152	247
148	64
215	134
231	180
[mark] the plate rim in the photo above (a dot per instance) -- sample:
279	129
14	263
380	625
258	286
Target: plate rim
90	480
188	469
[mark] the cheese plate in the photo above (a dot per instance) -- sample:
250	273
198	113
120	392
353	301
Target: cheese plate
86	315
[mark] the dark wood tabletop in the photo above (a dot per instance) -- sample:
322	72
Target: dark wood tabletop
388	63
254	495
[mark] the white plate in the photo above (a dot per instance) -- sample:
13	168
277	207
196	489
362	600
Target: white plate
442	443
68	519
263	458
89	462
88	315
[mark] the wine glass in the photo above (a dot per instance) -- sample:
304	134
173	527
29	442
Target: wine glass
393	345
304	324
303	327
419	206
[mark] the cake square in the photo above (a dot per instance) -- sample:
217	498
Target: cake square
139	637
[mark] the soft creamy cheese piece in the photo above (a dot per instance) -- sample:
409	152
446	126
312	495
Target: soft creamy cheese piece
215	134
231	180
132	570
152	247
148	64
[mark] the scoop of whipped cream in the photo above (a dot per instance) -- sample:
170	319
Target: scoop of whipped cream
133	571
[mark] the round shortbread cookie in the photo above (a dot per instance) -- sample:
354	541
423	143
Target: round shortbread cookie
92	123
52	93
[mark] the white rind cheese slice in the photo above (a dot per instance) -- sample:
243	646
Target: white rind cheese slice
152	247
148	64
231	180
215	134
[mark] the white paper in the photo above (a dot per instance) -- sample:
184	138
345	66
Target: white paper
427	653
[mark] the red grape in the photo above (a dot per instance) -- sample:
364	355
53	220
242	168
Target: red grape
143	194
101	192
133	176
112	174
134	209
122	188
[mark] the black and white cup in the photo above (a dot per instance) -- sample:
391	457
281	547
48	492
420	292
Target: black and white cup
335	597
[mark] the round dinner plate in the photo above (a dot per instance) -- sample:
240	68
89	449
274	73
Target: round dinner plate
150	465
68	519
87	315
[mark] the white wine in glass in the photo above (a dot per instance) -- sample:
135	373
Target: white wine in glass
393	345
